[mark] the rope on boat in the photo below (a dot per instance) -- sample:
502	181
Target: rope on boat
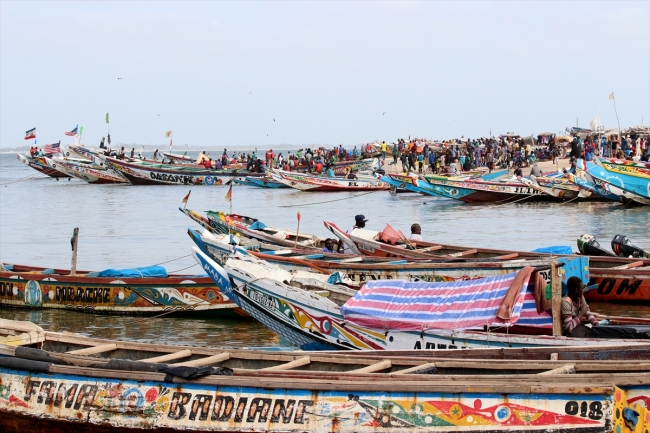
172	260
330	201
21	179
178	270
511	202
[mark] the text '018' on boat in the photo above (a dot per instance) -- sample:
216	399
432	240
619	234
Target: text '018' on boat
55	382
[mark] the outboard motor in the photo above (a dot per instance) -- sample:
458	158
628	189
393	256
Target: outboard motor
623	247
589	246
380	171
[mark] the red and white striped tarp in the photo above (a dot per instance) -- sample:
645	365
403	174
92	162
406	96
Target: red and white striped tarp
414	306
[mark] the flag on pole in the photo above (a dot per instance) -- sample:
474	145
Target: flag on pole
298	216
168	133
187	197
30	134
73	132
611	96
81	130
229	194
50	149
594	124
106	117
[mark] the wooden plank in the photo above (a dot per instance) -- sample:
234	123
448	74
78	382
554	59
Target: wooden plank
351	260
170	356
508	256
433	248
94	350
204	361
410	370
463	253
378	366
289	365
629	265
556	300
565	369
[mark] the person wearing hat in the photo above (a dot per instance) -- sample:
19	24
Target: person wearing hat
575	310
359	223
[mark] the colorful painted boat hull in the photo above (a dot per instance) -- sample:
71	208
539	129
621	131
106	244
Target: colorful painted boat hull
90	173
325	184
111	295
587	185
470	191
40	165
64	402
632	178
619	285
262	182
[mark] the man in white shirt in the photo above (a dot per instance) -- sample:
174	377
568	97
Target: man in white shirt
359	223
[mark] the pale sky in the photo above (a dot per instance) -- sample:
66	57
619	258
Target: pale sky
326	72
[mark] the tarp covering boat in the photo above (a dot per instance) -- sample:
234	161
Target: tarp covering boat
557	249
143	272
414	306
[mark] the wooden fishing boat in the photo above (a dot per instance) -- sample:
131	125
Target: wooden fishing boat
479	191
39	164
87	171
144	173
354	270
305	182
633	178
262	182
35	287
559	188
311	321
220	222
69	381
587	184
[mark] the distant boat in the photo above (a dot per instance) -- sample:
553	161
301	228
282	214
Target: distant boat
262	182
87	171
39	164
304	182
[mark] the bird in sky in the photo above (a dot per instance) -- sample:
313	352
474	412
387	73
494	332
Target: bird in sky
157	114
274	120
383	113
250	92
119	78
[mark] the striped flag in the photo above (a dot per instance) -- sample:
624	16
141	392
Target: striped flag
30	134
168	133
73	132
229	194
187	197
50	149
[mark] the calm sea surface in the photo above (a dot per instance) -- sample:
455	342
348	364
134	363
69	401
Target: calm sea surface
127	226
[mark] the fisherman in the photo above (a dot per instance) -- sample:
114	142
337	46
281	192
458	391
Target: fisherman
121	154
575	310
329	246
536	171
132	152
269	158
383	150
416	233
155	155
359	223
351	175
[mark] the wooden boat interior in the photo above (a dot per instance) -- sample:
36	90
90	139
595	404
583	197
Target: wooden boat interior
96	356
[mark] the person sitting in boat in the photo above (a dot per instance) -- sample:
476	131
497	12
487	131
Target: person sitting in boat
208	163
351	175
121	154
329	172
575	310
201	158
359	223
536	171
329	246
416	233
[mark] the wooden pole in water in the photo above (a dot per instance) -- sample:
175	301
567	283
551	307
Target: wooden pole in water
73	242
295	243
556	298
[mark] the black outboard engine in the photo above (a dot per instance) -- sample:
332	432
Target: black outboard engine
623	247
589	246
379	171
